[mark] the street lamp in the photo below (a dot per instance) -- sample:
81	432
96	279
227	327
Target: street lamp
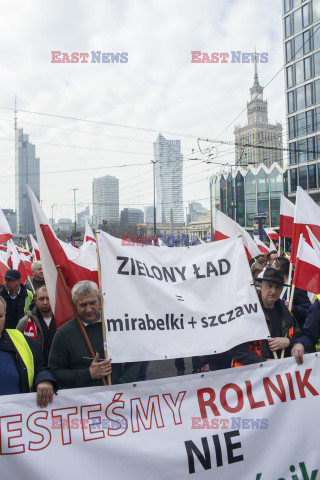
75	208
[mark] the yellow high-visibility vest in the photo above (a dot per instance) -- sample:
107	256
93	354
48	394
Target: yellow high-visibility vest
24	351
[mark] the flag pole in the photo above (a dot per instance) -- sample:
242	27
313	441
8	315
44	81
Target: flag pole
30	283
81	326
28	277
102	306
291	298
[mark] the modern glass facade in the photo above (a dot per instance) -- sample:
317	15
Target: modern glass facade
301	30
168	164
105	200
27	172
244	193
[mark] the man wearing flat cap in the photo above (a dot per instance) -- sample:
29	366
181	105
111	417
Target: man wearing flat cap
282	325
17	298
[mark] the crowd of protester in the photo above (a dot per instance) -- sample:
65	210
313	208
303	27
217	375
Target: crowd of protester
34	356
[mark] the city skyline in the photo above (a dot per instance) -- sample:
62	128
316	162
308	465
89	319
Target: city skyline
157	90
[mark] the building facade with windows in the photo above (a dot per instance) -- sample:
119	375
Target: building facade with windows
258	142
246	193
131	215
105	200
168	165
27	172
301	29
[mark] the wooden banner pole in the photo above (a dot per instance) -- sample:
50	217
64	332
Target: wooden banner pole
291	298
102	306
33	290
81	326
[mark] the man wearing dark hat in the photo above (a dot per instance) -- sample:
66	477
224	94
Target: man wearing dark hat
17	298
282	325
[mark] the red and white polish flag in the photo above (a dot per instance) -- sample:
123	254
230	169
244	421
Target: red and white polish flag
35	248
76	264
18	261
287	210
262	246
307	212
88	234
3	266
272	234
314	242
225	227
5	230
307	269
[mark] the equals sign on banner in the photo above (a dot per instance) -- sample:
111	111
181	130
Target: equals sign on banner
180	298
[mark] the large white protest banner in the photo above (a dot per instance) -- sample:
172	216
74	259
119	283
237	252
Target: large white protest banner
177	302
251	423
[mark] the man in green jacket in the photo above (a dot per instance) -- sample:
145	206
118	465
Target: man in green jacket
17	297
69	357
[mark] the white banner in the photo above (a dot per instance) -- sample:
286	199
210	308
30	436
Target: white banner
251	423
177	302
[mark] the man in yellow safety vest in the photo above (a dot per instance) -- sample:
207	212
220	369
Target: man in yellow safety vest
22	368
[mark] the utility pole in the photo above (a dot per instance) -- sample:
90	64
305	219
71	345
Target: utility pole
211	211
75	207
52	207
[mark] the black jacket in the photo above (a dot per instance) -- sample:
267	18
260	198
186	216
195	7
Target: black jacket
300	305
41	373
311	329
70	359
16	308
245	355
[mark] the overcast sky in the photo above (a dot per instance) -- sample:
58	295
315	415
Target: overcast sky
157	90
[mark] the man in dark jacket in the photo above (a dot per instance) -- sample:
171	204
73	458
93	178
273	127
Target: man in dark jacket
310	334
21	365
301	301
69	356
39	322
17	298
282	325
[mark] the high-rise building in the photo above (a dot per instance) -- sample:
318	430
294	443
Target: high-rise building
27	172
105	200
168	164
195	210
258	142
83	216
149	214
131	215
11	217
301	29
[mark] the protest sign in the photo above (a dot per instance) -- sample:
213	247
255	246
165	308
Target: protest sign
177	302
254	423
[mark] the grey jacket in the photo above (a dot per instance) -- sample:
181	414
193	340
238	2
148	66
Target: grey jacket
23	323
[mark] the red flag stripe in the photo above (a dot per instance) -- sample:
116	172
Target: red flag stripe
5	237
307	276
298	229
286	226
